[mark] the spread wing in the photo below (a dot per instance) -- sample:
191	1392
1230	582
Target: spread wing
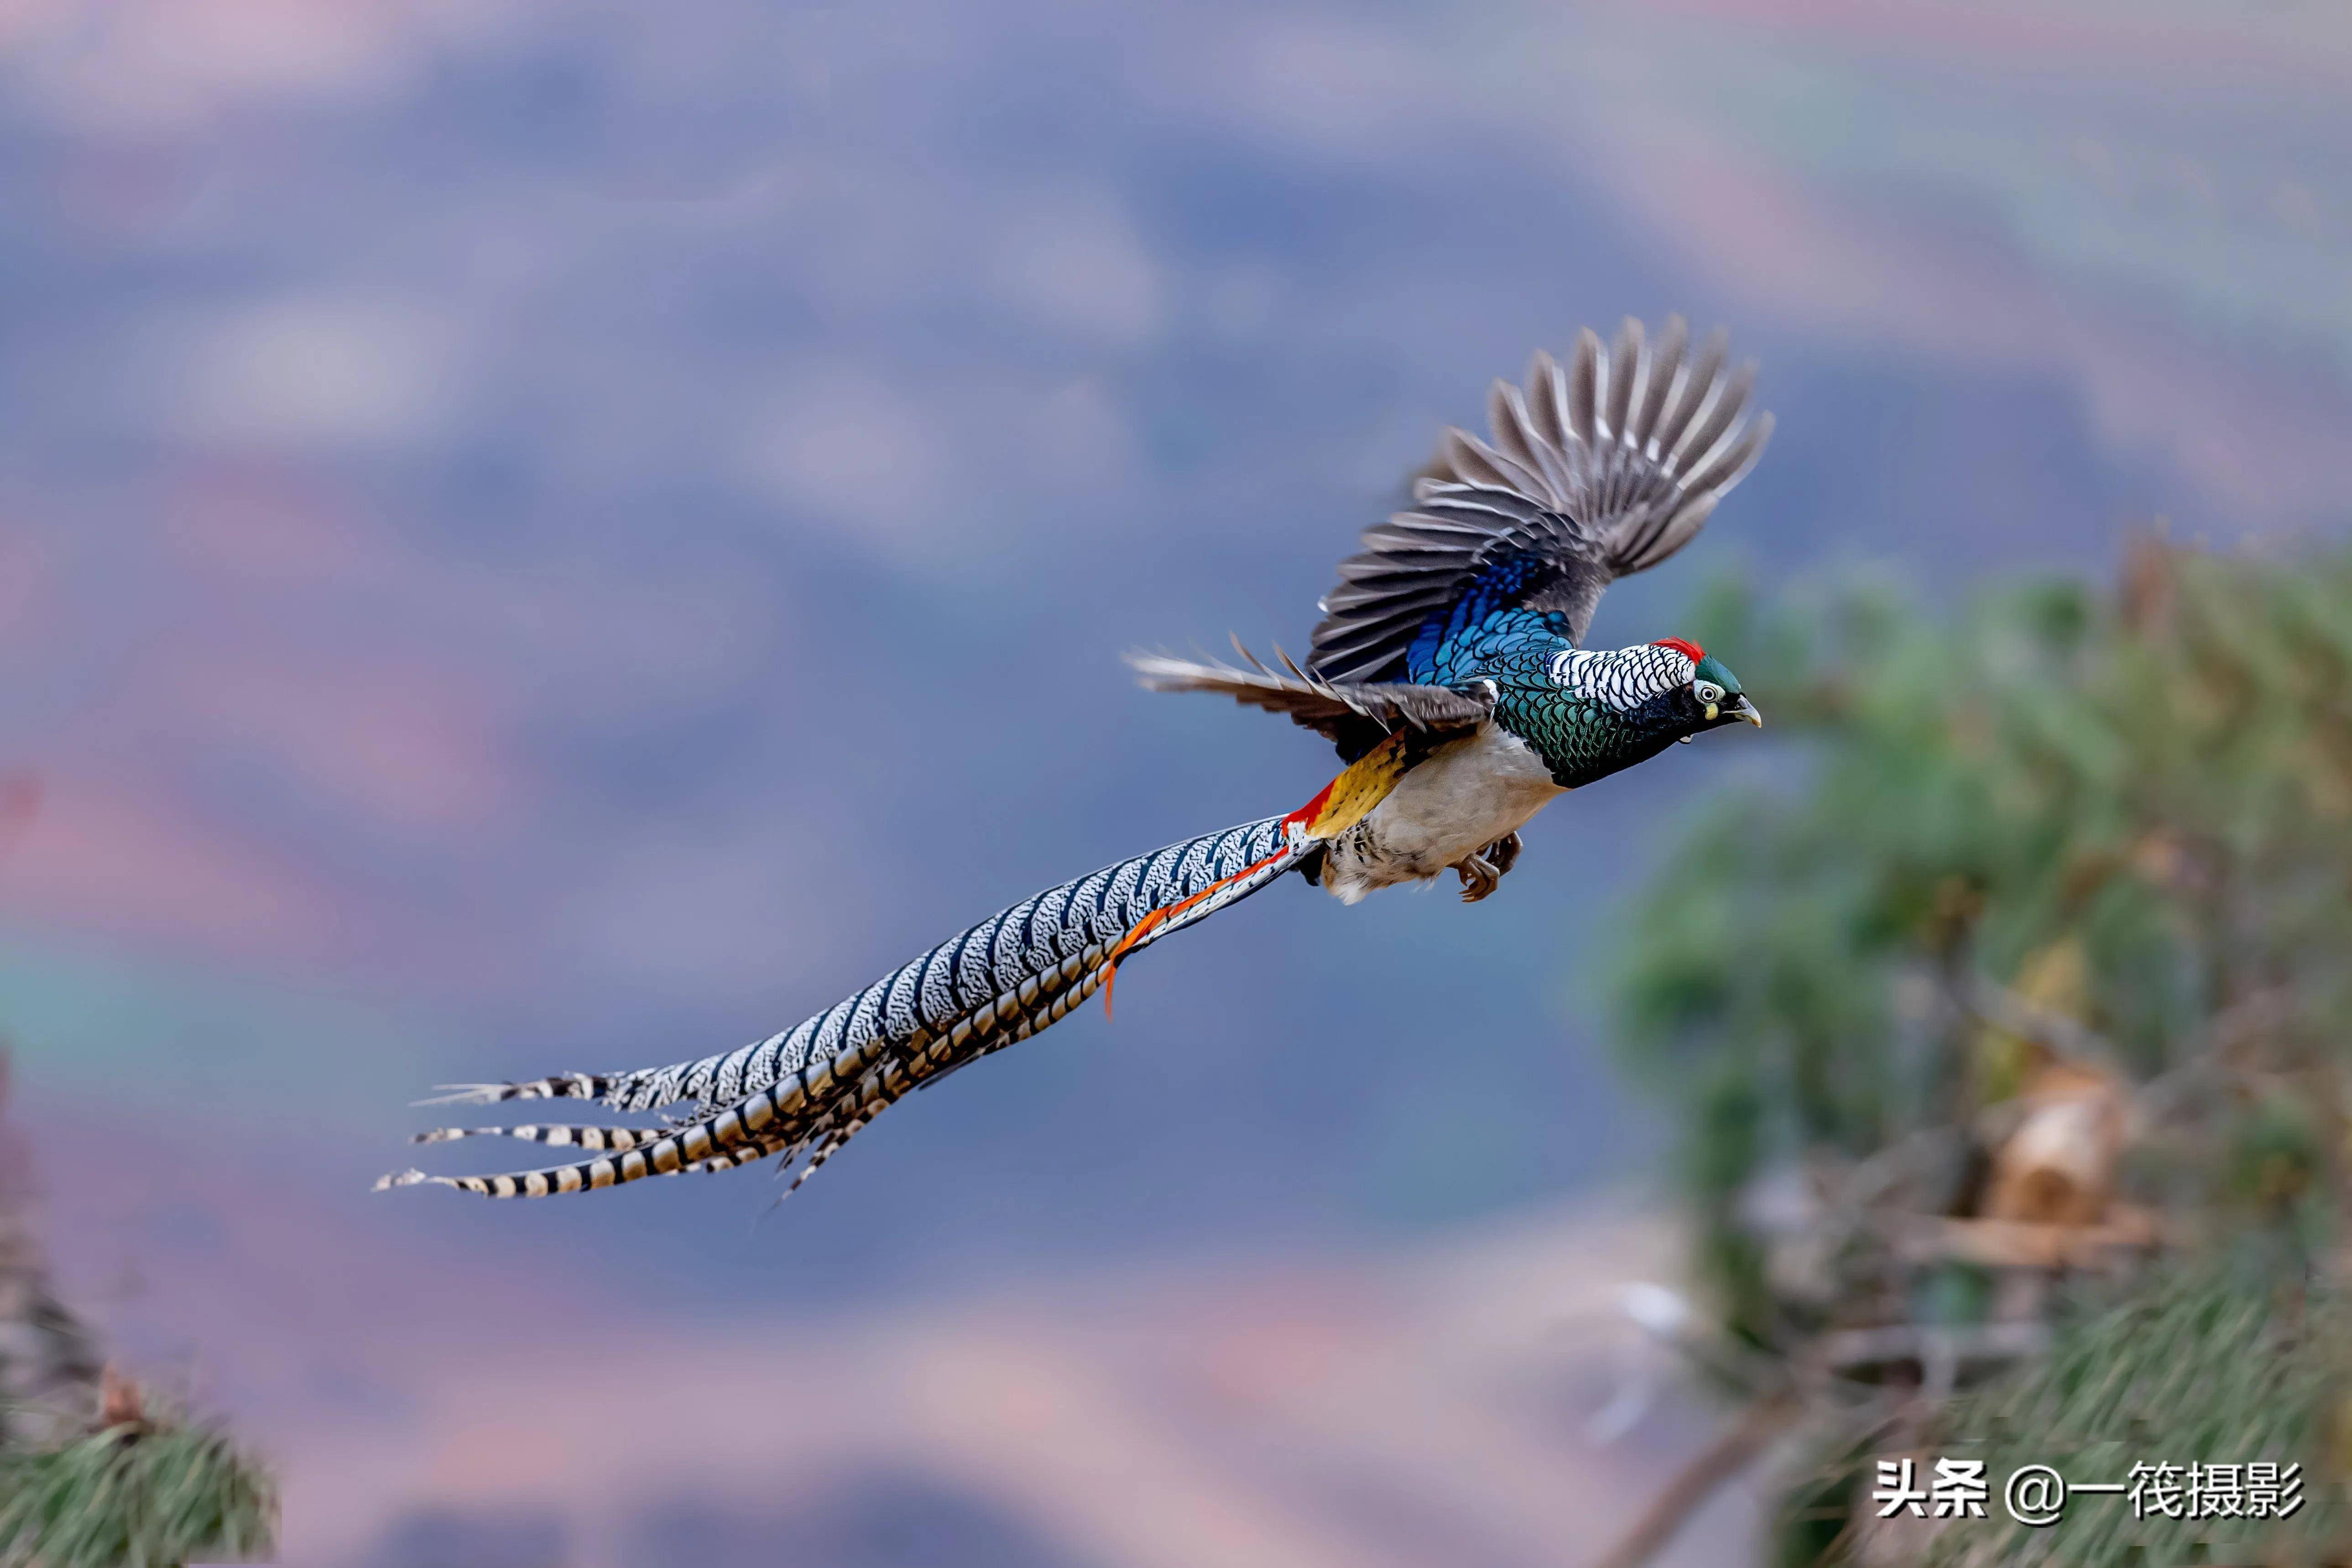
1603	469
1354	717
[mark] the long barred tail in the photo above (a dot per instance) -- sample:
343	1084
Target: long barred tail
806	1091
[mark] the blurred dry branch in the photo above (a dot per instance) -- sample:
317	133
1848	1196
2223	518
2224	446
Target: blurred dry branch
1736	1447
2016	1025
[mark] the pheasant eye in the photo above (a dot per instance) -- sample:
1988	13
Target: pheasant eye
1706	691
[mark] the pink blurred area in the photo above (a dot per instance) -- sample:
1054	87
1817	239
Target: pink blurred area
543	537
1480	1398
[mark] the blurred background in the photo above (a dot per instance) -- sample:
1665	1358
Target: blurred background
539	537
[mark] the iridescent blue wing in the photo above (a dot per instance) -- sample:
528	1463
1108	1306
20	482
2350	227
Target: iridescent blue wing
1600	469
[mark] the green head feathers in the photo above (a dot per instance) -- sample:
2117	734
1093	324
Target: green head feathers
1717	693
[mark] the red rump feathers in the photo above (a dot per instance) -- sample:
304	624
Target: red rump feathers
1689	650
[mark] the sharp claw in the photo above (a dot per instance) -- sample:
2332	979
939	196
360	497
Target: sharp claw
1503	854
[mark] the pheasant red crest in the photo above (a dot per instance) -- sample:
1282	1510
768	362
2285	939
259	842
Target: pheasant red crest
1689	649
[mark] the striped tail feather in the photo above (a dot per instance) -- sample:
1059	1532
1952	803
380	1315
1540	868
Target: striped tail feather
601	1140
821	1109
808	1091
729	1160
811	1089
568	1086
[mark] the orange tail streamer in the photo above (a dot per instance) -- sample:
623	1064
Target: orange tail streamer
1142	929
1337	806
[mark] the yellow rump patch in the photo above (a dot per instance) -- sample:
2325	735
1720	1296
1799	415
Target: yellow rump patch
1350	798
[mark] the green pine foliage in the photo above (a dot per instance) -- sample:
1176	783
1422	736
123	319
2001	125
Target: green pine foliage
2213	1366
2123	814
134	1496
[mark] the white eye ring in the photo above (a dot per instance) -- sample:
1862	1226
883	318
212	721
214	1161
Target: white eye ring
1706	691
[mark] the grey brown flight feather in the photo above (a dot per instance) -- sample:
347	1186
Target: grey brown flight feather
1600	468
1354	717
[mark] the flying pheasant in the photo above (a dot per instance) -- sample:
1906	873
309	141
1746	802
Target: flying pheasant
1449	670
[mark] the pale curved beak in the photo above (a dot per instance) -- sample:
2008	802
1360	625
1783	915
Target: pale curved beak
1748	710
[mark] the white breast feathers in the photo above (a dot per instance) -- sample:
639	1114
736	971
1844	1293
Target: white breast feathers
1466	796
